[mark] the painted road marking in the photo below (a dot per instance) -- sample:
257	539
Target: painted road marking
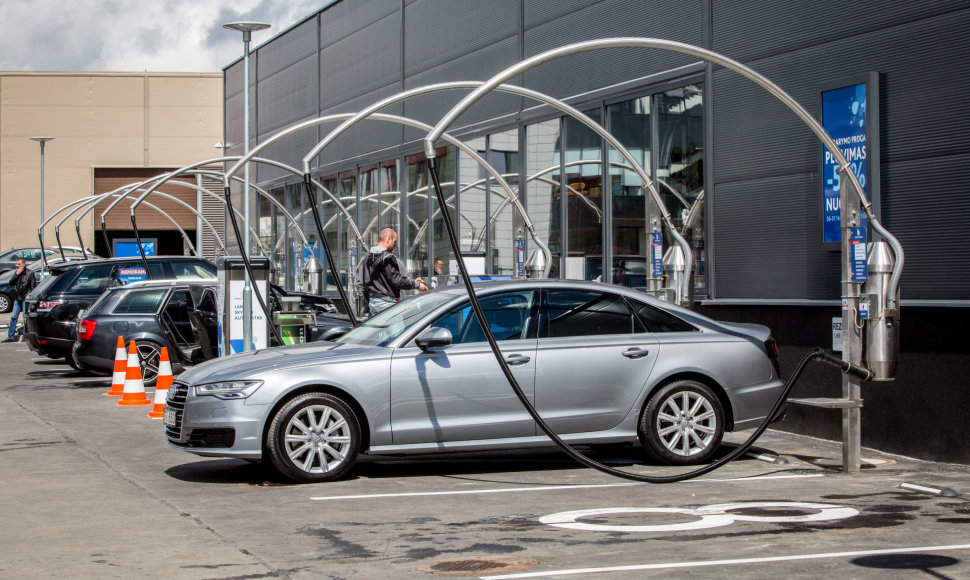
711	516
670	565
548	487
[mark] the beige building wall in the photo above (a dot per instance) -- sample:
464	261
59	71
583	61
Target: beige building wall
98	120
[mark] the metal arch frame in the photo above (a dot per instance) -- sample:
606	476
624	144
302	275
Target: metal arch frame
194	169
708	55
40	229
98	198
308	181
132	188
475	86
253	232
134	225
351	118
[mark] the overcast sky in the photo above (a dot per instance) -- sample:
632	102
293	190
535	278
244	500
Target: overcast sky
136	35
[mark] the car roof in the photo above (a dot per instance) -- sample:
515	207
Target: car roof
83	263
490	286
169	282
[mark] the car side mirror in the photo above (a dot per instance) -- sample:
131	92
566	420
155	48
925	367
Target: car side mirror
433	337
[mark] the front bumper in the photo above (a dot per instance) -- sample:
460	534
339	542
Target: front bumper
214	427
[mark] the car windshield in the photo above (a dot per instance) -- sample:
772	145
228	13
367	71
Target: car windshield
388	325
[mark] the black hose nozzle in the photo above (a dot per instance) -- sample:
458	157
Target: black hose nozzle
845	366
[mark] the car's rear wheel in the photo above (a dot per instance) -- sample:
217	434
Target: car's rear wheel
314	437
682	424
148	353
6	304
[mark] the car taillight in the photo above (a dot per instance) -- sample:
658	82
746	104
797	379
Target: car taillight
772	347
85	329
47	304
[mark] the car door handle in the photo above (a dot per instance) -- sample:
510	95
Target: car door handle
635	352
517	359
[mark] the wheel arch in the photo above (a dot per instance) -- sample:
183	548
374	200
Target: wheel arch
709	382
330	390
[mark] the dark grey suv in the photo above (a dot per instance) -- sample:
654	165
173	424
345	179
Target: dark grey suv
51	309
179	315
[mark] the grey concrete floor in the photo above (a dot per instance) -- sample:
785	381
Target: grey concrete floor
89	490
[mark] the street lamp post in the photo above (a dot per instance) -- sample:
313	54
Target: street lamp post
42	141
247	29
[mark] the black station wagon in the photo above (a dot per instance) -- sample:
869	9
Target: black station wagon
52	307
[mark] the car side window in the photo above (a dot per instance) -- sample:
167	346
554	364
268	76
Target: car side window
656	320
587	313
139	302
507	315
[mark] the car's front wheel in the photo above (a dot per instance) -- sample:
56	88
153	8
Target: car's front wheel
682	424
6	304
314	437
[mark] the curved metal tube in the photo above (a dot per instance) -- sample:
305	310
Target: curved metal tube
555	103
98	198
708	55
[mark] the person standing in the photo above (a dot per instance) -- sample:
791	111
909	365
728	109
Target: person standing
381	275
22	282
439	265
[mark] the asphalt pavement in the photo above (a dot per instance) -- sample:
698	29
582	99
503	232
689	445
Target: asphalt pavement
89	489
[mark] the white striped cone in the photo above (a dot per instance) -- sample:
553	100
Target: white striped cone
120	370
134	393
162	384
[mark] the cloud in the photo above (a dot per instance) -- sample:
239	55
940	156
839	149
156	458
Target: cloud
134	35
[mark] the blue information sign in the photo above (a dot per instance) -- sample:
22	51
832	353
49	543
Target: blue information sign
520	258
857	249
844	118
657	253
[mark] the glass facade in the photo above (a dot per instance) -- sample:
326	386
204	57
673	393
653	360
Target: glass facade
589	213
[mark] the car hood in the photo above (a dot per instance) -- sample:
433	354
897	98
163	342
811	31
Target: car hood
257	363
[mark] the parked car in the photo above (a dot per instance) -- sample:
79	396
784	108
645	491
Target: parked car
179	315
40	270
8	259
601	363
53	305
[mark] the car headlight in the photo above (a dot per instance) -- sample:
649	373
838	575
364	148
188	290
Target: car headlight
228	389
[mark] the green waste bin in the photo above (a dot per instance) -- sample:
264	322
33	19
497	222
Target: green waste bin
294	326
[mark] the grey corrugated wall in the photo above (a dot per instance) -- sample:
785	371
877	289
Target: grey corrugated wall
764	200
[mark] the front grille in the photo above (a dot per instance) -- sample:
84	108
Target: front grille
176	401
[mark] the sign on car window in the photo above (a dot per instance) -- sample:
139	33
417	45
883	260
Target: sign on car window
131	274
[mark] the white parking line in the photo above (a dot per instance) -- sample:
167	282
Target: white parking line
669	565
549	487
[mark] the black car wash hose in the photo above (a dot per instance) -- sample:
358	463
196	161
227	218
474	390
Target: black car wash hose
817	354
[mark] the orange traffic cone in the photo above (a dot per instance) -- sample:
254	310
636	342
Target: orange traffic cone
134	393
121	369
162	383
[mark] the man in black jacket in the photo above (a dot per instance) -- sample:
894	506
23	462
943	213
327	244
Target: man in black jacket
381	275
22	282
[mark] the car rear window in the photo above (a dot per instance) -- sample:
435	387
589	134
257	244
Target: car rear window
182	270
54	283
140	301
657	320
91	280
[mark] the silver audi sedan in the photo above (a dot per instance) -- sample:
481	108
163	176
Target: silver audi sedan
600	363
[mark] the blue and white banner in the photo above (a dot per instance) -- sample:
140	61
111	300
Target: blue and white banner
844	118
